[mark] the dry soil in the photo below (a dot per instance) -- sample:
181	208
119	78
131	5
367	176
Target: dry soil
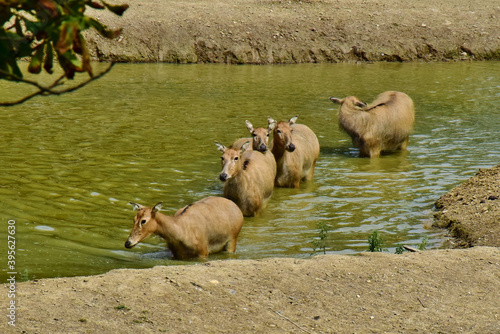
273	31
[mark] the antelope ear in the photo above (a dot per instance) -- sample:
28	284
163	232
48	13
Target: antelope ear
249	126
270	121
221	147
136	206
244	147
293	120
157	206
336	100
360	104
271	126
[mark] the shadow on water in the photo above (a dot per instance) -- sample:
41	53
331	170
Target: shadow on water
343	151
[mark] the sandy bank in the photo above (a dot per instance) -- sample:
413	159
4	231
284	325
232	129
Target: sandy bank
272	31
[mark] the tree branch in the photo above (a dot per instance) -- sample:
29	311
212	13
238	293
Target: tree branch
48	90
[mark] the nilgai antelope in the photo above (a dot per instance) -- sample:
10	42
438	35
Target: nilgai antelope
296	149
260	142
208	226
383	125
248	178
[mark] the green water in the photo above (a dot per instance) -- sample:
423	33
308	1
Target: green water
146	132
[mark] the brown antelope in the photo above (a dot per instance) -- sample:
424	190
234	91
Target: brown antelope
260	141
260	136
208	226
383	125
296	149
248	178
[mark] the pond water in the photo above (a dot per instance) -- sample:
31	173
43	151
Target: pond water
146	132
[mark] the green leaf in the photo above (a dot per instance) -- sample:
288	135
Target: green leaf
16	46
117	9
39	29
72	59
9	66
70	63
35	65
19	29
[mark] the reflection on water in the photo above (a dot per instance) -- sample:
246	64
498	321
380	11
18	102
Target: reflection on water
146	132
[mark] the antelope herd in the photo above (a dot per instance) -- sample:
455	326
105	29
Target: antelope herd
252	167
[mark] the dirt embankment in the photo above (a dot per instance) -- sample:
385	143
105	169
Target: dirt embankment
446	291
280	31
471	211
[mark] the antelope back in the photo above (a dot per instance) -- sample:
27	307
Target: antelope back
239	143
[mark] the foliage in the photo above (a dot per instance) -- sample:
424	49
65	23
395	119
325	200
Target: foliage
43	30
400	249
320	242
423	244
25	275
375	243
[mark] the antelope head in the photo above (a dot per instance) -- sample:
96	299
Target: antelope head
283	134
145	224
260	136
232	162
350	102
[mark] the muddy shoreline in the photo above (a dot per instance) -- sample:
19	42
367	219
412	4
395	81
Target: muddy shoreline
471	211
281	31
439	291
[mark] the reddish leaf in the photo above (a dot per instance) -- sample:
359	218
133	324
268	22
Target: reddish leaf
49	58
86	67
96	5
77	44
69	30
70	64
50	5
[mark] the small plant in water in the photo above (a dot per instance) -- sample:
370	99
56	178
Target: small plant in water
424	243
25	275
421	246
320	242
375	243
400	249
